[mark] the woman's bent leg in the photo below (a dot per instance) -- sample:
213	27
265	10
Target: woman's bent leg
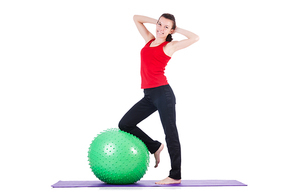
135	115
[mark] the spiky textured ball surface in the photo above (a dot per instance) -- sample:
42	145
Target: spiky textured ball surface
117	157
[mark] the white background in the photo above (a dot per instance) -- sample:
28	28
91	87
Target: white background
70	69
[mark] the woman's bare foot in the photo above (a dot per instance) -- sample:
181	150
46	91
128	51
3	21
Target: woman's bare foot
169	180
157	155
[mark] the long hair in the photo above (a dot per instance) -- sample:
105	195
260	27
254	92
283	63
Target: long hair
171	17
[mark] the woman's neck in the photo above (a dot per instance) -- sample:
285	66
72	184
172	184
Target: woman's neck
159	40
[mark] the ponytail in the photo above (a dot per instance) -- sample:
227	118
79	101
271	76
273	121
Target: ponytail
169	38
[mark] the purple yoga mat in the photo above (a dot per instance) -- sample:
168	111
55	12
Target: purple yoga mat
148	183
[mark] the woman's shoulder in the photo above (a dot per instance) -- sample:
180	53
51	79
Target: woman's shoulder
171	45
169	48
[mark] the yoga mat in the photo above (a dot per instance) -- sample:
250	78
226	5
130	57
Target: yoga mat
149	183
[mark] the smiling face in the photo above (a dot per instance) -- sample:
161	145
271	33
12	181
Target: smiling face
164	27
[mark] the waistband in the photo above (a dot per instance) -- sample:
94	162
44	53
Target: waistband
163	86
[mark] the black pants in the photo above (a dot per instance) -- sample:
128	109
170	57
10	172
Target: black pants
162	99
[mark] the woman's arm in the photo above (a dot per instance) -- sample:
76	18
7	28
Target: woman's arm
178	45
139	21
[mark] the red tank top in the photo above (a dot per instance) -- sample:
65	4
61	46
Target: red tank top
153	63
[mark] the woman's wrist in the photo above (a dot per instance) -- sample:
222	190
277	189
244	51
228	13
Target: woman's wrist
186	33
178	30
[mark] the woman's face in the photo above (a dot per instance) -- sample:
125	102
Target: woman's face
164	27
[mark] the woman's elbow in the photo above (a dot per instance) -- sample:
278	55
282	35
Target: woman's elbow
196	38
136	17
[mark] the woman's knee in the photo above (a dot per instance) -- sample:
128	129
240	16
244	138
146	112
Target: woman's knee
121	125
125	126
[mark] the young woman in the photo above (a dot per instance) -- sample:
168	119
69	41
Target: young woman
158	94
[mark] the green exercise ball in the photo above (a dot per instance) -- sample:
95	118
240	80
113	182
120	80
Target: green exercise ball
117	157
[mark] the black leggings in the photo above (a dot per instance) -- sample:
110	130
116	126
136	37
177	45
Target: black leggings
162	99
